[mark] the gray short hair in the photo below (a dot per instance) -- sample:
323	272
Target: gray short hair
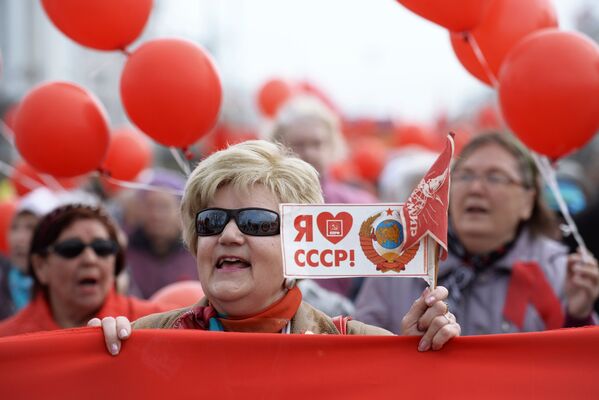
243	165
307	107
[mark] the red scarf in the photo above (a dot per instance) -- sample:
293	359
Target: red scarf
529	285
271	320
37	316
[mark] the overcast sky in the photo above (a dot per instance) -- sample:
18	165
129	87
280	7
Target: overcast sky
372	57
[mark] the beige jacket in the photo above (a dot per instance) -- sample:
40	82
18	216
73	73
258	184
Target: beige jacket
306	319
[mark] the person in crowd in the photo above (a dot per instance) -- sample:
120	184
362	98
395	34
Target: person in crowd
156	256
15	282
504	273
231	224
312	131
73	259
309	128
403	172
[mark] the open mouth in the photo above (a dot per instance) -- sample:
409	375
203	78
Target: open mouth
476	210
88	282
227	263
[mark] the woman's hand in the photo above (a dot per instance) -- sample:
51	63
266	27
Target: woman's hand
115	330
430	318
582	285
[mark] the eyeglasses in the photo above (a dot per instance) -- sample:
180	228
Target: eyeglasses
250	221
71	248
491	179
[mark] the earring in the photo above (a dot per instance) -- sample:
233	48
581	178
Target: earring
289	283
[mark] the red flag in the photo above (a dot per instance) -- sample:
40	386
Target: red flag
425	212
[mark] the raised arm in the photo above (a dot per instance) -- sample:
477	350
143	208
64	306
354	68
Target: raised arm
582	287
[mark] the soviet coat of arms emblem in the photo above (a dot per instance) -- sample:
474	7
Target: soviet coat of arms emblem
382	238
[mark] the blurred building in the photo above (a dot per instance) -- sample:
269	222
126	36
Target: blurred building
34	51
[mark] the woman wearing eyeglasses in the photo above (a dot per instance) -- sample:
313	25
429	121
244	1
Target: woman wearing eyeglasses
74	258
231	225
504	272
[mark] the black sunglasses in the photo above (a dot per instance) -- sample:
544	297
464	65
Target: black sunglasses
250	221
71	248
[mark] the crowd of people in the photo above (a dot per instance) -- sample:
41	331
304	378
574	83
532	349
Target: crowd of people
71	262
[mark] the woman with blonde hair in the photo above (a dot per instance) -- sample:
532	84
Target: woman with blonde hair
231	225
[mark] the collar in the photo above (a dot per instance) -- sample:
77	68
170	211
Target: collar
502	257
271	320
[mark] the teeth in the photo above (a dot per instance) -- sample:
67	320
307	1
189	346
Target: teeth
230	260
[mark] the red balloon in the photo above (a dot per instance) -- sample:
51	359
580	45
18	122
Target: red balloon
179	294
344	171
171	90
416	135
273	94
25	178
505	24
455	15
549	91
100	24
224	136
488	118
311	89
461	139
128	154
369	156
61	129
7	212
360	128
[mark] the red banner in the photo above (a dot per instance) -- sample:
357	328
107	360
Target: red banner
181	364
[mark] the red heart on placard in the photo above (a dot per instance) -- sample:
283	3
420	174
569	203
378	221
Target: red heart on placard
334	228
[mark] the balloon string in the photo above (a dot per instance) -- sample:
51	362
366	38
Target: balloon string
94	73
48	180
8	170
543	164
140	186
481	59
180	161
548	173
51	182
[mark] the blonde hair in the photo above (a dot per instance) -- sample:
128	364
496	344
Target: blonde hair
243	165
308	107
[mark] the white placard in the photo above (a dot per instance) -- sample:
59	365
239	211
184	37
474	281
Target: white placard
351	240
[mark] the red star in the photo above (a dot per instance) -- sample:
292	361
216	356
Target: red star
389	211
